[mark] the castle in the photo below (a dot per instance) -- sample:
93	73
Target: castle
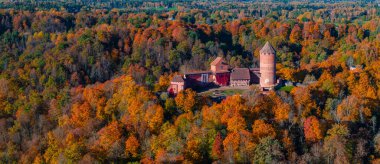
221	74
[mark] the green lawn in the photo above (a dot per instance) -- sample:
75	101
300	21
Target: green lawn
286	88
232	92
225	92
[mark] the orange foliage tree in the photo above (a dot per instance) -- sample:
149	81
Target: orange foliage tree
132	146
353	109
217	147
260	129
303	101
312	129
81	113
236	123
107	137
186	100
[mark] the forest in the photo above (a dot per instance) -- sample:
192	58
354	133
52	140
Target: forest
87	83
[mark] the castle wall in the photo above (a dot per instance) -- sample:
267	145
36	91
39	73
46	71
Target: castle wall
195	79
222	79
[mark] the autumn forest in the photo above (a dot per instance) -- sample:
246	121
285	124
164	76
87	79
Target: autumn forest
86	82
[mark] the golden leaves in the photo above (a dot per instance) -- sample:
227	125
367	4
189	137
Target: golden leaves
186	100
260	129
132	146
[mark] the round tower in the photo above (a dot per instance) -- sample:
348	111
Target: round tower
267	67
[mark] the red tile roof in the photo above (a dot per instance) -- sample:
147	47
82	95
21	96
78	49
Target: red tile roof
240	74
267	49
218	60
178	79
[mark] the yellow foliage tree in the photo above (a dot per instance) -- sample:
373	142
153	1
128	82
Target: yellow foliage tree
154	116
163	83
185	100
236	123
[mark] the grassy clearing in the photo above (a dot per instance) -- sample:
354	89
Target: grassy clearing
286	88
224	92
232	92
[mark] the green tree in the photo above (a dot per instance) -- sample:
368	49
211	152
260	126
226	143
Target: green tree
268	151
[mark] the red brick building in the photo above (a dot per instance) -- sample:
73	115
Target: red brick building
221	74
267	67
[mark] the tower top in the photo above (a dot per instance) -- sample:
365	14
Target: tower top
268	49
177	79
217	61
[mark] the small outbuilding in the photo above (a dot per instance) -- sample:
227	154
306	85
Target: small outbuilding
176	85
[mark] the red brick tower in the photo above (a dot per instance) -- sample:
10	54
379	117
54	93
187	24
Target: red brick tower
267	67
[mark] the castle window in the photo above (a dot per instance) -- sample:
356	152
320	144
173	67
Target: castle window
204	78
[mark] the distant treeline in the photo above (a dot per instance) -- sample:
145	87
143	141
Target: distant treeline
153	5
